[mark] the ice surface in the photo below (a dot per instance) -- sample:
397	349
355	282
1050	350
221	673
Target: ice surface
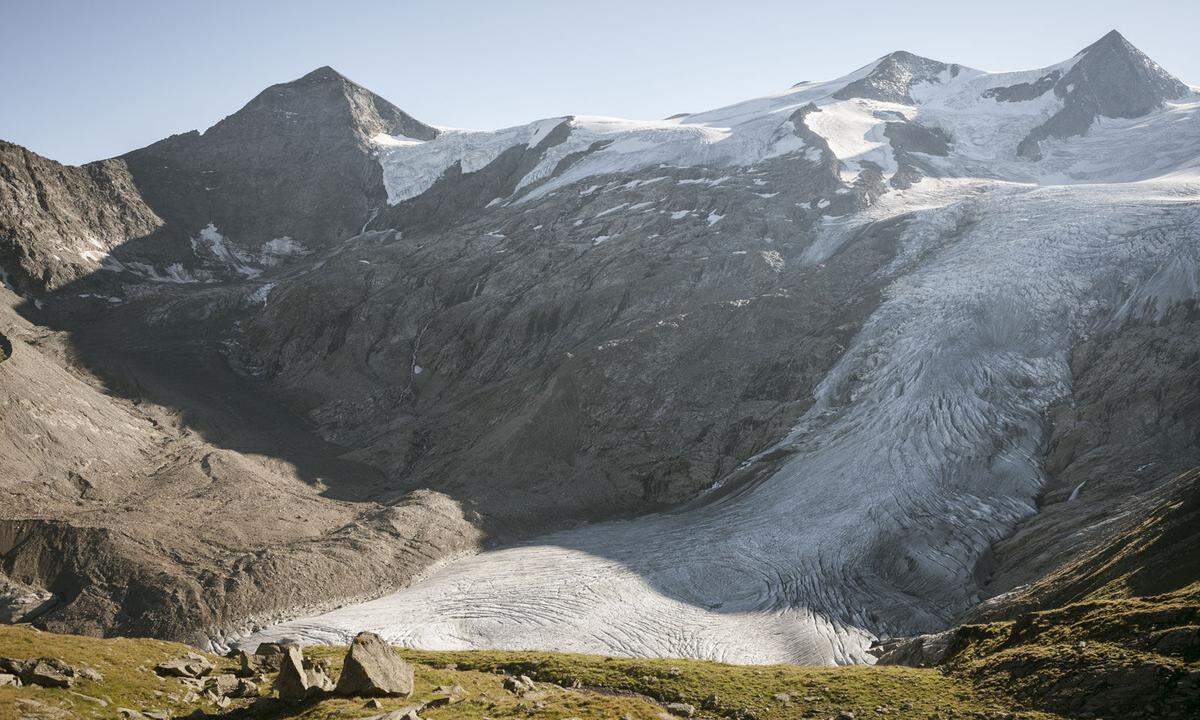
922	446
920	450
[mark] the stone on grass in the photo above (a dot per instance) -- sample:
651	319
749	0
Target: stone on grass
292	683
188	666
50	673
372	667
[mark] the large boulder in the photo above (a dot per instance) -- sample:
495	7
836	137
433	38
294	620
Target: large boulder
292	681
50	673
372	667
300	679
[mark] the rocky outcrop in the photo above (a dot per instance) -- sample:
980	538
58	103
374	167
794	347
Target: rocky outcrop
293	682
22	603
301	678
296	162
918	651
47	672
1111	78
893	75
59	223
372	667
192	665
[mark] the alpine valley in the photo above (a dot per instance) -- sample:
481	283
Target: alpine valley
901	367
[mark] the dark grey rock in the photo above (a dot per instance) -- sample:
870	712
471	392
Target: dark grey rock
1112	79
293	684
372	667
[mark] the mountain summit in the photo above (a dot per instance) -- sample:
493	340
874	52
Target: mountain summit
1109	78
297	161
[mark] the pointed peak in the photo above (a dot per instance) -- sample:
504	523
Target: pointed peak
322	74
1113	66
904	56
1112	40
893	74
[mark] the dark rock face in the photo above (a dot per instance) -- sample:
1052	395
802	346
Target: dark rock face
527	356
58	223
910	141
372	667
1131	426
1111	79
892	77
295	162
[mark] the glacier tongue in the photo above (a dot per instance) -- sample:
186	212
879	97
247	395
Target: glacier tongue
922	448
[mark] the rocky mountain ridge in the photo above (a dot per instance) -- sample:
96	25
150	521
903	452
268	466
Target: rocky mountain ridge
337	347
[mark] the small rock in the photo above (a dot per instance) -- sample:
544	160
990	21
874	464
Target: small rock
89	698
372	667
373	703
191	666
683	709
844	714
127	713
89	674
7	679
405	713
783	698
50	673
224	684
157	714
520	684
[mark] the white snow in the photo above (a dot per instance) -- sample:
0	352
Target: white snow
259	296
211	240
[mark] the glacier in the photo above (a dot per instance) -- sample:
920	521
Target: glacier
923	446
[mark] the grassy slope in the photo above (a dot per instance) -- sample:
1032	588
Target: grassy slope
1101	651
605	687
1121	637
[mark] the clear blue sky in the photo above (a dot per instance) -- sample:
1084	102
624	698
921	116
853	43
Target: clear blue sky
88	79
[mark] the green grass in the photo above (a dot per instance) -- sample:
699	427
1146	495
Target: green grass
570	686
1115	657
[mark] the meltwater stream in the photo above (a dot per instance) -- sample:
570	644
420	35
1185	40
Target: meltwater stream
923	448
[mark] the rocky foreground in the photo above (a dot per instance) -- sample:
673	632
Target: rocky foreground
1115	634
